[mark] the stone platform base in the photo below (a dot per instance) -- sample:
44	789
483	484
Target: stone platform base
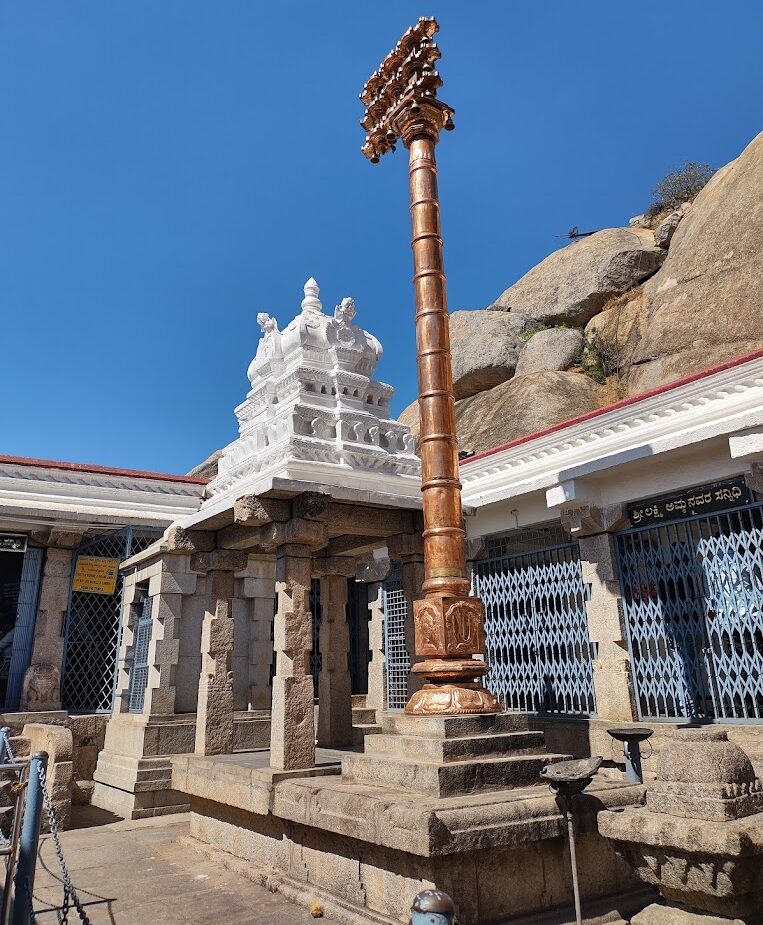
365	851
666	915
134	771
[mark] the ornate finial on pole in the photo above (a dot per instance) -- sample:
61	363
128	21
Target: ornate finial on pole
311	302
401	102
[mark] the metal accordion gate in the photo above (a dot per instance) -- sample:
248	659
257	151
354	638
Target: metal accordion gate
536	627
92	629
692	593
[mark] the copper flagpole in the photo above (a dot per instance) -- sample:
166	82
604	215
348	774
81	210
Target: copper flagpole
401	103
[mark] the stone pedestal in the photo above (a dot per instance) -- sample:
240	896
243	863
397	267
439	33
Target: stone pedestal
450	755
292	735
452	803
699	839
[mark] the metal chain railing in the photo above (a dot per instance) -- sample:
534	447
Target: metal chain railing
70	893
25	878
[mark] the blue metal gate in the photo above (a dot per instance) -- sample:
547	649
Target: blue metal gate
536	630
692	595
91	633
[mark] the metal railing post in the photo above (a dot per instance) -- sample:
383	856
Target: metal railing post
13	845
5	734
30	836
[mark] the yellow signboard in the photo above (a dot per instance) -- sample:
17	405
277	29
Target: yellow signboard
96	575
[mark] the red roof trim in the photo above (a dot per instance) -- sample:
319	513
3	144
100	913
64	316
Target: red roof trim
101	470
634	399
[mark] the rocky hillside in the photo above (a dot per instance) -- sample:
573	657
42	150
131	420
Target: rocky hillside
615	314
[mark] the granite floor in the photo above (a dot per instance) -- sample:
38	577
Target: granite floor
147	873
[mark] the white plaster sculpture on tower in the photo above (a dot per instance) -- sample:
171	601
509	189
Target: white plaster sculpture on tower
314	411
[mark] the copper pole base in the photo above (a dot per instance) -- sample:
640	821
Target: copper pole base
449	632
452	700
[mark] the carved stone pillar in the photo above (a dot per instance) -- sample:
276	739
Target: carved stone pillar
376	698
258	593
173	579
612	676
373	573
334	686
292	731
214	713
48	644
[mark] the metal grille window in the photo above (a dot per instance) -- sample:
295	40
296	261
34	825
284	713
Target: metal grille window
139	671
397	660
91	639
692	594
536	628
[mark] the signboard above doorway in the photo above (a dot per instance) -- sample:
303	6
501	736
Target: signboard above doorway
12	542
706	499
96	575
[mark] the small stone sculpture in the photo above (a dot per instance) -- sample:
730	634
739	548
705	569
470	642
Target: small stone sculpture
699	839
41	688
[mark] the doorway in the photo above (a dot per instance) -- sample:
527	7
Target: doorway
20	571
11	564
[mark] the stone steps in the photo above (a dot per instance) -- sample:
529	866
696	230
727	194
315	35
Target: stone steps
361	730
446	779
453	727
361	715
422	748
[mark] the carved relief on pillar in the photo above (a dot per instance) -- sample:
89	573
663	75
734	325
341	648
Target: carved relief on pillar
292	730
214	714
448	627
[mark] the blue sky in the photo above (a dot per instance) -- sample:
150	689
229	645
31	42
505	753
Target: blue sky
168	169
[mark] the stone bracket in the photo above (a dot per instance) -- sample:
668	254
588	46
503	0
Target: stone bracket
589	519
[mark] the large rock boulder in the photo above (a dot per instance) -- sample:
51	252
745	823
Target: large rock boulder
410	417
704	306
616	331
523	406
207	469
552	348
485	347
571	285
